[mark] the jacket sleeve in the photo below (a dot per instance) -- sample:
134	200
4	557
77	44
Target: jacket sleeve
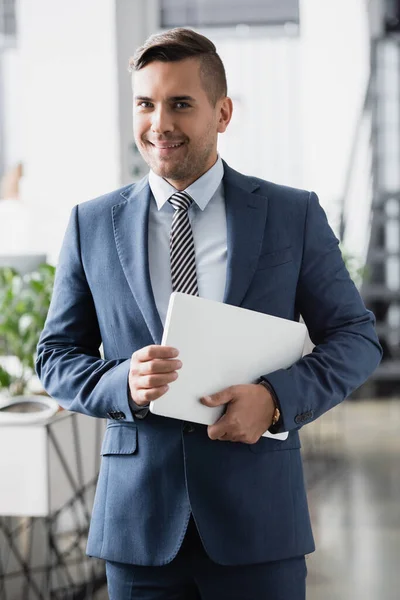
346	350
68	357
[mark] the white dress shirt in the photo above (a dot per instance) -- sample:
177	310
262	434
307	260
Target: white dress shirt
207	217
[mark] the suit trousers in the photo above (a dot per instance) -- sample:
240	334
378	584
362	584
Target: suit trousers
192	575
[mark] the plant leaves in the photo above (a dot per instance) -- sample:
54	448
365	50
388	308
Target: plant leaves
5	378
24	303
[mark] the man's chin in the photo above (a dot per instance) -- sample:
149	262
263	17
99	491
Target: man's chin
167	172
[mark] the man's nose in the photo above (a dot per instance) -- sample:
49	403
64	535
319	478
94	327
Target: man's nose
162	121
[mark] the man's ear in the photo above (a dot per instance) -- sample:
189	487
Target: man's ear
225	114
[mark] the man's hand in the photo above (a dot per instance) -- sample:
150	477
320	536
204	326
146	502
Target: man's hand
248	415
152	368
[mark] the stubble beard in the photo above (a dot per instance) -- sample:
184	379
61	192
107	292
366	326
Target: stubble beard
193	165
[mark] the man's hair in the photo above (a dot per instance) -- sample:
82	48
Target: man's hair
178	44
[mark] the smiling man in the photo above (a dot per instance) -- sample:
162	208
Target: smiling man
184	511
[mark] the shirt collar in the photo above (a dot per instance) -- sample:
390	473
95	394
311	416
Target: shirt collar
201	190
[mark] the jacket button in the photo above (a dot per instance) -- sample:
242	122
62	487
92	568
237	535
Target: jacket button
298	419
188	428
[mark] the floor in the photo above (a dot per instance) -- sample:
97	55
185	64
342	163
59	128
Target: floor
352	464
355	503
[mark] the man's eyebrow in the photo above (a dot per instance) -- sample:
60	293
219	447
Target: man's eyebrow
182	98
171	98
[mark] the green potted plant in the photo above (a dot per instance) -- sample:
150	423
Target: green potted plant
34	436
24	303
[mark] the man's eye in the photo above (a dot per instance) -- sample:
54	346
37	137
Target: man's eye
144	104
182	104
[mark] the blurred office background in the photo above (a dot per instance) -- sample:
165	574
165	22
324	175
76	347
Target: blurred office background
316	91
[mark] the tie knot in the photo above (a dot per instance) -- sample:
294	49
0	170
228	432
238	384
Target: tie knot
180	200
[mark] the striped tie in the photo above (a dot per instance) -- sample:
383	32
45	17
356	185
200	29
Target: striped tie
183	259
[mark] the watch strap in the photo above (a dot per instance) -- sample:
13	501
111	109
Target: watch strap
276	419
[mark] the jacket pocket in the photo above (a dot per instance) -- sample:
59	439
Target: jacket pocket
266	444
273	259
120	438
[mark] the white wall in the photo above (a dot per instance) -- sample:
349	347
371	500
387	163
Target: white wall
69	141
335	69
11	109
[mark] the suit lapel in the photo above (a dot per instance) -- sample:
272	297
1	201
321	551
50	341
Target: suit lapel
246	214
131	226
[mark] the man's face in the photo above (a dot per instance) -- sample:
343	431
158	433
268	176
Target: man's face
175	125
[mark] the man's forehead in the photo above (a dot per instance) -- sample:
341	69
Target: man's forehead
173	80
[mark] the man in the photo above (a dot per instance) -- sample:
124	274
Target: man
182	510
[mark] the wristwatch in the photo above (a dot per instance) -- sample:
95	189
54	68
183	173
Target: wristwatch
277	413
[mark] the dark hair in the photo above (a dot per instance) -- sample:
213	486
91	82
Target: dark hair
178	44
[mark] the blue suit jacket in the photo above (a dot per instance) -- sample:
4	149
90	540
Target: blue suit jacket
249	501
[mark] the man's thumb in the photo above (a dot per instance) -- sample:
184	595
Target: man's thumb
217	399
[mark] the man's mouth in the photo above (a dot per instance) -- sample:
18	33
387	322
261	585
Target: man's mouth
166	146
166	150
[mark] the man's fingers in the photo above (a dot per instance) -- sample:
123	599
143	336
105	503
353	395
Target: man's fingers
219	398
154	381
158	366
143	395
151	370
155	351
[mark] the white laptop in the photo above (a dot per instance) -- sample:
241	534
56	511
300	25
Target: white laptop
222	345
